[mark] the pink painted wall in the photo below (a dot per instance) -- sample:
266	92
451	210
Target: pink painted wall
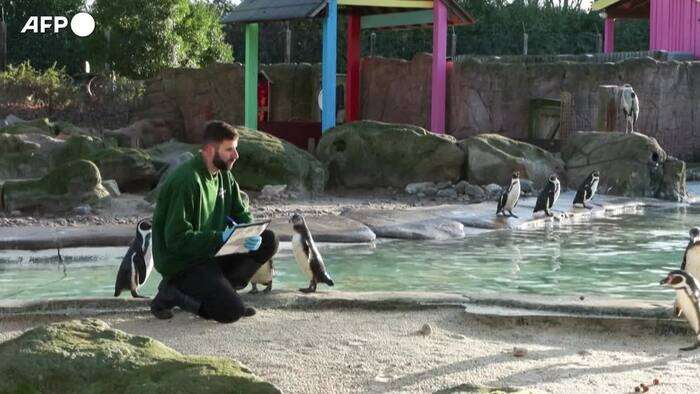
674	25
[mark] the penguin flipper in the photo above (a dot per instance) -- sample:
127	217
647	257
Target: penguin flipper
123	281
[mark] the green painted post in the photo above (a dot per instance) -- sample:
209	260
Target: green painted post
251	75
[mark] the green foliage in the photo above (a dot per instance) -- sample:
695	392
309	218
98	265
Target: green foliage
552	29
43	50
51	87
139	39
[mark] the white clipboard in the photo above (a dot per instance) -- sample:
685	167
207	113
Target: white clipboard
234	243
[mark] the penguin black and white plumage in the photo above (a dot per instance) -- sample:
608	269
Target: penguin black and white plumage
263	276
137	264
630	107
587	189
307	256
509	197
688	297
548	196
691	259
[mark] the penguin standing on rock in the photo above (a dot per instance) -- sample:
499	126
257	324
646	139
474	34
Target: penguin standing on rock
587	189
548	196
307	256
137	264
687	297
263	276
509	197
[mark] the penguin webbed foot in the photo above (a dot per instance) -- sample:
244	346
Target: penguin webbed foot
310	289
268	288
254	289
689	348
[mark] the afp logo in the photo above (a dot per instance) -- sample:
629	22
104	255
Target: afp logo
82	24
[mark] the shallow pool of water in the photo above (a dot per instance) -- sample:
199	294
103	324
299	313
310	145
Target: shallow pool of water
623	256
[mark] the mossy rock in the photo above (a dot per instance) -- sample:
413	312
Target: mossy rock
631	165
26	155
88	356
492	158
36	126
132	169
375	154
64	188
267	160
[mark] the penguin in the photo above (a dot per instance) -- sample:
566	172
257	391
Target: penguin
691	259
587	189
307	256
548	196
509	197
137	264
688	297
263	276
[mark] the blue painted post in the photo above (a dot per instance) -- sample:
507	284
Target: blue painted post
330	41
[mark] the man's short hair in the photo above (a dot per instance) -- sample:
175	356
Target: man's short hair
218	131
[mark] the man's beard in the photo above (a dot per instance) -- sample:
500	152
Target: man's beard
220	163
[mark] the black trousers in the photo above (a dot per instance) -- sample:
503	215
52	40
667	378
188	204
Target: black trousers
214	283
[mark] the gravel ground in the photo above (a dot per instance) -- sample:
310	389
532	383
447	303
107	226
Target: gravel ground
355	350
130	208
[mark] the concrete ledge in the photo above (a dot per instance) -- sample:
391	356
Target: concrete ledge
595	312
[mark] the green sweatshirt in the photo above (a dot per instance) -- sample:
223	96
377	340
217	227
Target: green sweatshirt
190	216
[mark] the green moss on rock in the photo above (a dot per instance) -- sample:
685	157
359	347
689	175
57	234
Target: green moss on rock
268	160
377	154
63	188
88	356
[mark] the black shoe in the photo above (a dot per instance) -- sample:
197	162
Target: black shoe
248	312
164	302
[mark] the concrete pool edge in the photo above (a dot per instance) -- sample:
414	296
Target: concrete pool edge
596	312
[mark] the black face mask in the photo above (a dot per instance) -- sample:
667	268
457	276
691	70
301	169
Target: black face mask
219	162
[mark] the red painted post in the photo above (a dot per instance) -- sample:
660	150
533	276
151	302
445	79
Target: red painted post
439	72
352	77
609	36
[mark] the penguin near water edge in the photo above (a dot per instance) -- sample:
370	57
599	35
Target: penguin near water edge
687	298
137	264
510	196
307	255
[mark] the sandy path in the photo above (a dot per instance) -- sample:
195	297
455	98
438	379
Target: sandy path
370	351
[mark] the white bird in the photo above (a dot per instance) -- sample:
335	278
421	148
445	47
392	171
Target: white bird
630	107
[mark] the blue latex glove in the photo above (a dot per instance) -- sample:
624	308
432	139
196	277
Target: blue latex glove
227	233
253	243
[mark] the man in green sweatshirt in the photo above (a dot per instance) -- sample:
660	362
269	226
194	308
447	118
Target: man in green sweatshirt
193	212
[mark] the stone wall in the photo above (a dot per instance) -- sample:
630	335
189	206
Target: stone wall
188	98
493	97
482	97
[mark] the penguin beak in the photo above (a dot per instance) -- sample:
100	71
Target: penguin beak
665	281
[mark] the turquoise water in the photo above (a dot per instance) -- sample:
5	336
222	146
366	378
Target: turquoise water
623	256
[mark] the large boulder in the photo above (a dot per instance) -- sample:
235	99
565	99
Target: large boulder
27	155
88	356
630	165
268	160
131	168
375	154
64	188
36	126
143	133
492	158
